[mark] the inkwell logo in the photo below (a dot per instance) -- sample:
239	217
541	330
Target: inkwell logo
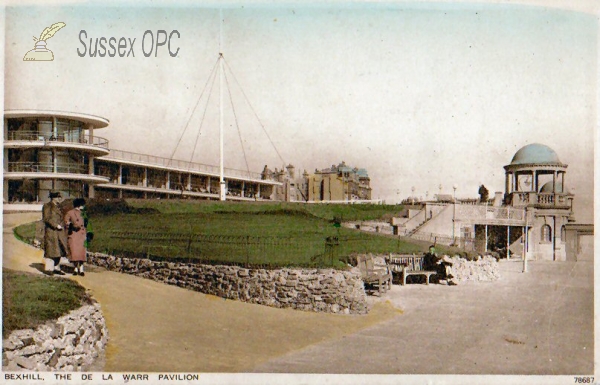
40	52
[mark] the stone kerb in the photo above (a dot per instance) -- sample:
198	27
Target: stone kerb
71	343
319	290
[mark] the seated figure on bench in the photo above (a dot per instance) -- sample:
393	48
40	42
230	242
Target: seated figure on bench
433	262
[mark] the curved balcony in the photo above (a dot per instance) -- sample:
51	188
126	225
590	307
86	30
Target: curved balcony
28	139
33	170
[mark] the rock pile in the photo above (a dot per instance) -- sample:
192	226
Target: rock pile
320	290
461	270
71	343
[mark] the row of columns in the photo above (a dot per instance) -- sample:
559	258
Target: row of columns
511	182
168	182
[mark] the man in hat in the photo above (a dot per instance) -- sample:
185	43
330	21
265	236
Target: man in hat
54	233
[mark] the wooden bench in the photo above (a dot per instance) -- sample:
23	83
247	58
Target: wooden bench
409	265
371	274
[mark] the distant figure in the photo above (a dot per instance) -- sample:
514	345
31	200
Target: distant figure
77	236
434	263
54	235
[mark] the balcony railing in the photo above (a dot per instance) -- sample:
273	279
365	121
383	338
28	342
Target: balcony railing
34	136
484	212
72	168
542	199
179	164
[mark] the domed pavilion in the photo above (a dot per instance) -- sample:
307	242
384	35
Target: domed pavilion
535	181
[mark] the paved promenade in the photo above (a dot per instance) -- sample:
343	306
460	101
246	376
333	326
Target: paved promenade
541	322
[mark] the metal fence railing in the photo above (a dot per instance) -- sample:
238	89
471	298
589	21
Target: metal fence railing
251	251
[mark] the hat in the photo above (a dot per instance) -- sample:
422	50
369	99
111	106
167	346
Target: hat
54	194
78	202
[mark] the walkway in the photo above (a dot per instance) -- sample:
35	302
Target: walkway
155	327
541	322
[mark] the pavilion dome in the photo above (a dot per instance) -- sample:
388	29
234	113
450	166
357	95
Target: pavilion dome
535	153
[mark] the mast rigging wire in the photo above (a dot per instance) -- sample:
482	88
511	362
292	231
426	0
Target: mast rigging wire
193	111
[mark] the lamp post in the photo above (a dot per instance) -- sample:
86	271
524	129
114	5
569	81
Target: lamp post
525	245
413	194
454	187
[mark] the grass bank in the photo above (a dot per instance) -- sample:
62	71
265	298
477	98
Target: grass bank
29	300
267	234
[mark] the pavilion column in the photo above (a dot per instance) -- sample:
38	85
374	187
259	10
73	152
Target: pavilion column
92	191
120	181
145	182
508	242
207	184
189	182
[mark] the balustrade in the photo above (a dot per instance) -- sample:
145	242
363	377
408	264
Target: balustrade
73	168
179	164
34	136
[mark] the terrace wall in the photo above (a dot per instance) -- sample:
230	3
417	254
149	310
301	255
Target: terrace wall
319	290
71	343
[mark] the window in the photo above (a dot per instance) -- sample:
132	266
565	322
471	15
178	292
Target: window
546	234
563	233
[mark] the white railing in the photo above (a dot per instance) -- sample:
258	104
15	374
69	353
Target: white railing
34	136
152	160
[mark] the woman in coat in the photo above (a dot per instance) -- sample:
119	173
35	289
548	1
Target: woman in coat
77	236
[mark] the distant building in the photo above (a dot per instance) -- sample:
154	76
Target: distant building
339	183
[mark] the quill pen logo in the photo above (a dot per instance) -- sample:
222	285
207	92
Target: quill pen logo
40	52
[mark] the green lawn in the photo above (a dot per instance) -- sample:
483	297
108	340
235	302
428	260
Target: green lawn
257	234
29	300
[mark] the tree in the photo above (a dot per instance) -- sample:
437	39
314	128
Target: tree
484	194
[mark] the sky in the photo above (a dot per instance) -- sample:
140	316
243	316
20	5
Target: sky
419	94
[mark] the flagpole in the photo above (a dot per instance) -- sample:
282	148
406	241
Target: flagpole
222	193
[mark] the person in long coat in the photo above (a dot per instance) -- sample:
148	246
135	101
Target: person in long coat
54	234
75	225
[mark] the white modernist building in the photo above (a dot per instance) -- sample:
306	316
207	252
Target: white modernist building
57	150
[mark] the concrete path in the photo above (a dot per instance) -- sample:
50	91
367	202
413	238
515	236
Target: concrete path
541	322
154	327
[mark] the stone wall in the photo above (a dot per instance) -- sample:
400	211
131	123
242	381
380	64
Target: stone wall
320	290
71	343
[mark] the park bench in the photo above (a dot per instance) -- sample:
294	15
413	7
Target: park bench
374	275
409	265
